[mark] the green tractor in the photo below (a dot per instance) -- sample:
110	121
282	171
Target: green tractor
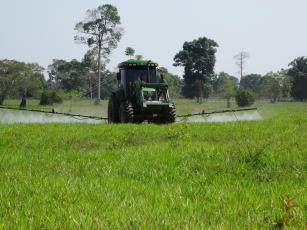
141	96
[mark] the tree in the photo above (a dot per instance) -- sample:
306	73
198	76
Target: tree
69	75
276	85
241	61
271	86
90	62
50	97
175	84
139	57
274	89
8	77
198	59
244	97
19	79
222	79
129	52
252	81
109	84
226	86
286	84
100	30
207	89
298	72
29	81
228	91
189	89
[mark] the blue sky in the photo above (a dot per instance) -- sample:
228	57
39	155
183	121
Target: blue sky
272	31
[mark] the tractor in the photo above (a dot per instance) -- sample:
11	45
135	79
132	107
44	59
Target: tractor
141	95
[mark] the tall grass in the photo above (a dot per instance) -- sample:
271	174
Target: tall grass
194	176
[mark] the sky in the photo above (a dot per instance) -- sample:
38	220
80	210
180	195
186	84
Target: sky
273	32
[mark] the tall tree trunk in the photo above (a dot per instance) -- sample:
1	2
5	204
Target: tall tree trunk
91	91
23	102
241	65
228	103
99	75
201	93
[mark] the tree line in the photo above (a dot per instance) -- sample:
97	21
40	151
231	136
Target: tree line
200	81
89	78
20	80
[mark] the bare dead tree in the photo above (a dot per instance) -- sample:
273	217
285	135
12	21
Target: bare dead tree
241	61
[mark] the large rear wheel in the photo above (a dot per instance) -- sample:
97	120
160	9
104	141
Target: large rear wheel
113	110
170	114
126	113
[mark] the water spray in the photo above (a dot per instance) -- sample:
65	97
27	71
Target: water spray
48	116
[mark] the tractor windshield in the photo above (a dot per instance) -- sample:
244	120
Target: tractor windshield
143	74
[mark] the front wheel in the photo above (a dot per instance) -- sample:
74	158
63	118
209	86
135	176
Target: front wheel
126	113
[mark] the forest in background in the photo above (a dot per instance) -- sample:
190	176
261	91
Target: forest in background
89	78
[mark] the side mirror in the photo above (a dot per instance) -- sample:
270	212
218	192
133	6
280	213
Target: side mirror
118	76
162	77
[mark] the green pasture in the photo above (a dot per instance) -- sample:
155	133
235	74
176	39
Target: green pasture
181	176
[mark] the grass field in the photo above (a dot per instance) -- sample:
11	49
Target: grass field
180	176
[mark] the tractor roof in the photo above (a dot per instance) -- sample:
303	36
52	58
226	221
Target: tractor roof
133	62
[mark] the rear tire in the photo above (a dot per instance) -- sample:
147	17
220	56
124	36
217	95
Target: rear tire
113	110
170	114
126	113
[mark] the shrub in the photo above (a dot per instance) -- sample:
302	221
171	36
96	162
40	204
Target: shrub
50	97
55	98
44	100
244	97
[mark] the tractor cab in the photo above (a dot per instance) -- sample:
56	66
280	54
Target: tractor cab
141	95
136	70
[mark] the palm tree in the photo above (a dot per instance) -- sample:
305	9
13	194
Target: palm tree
299	66
129	51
